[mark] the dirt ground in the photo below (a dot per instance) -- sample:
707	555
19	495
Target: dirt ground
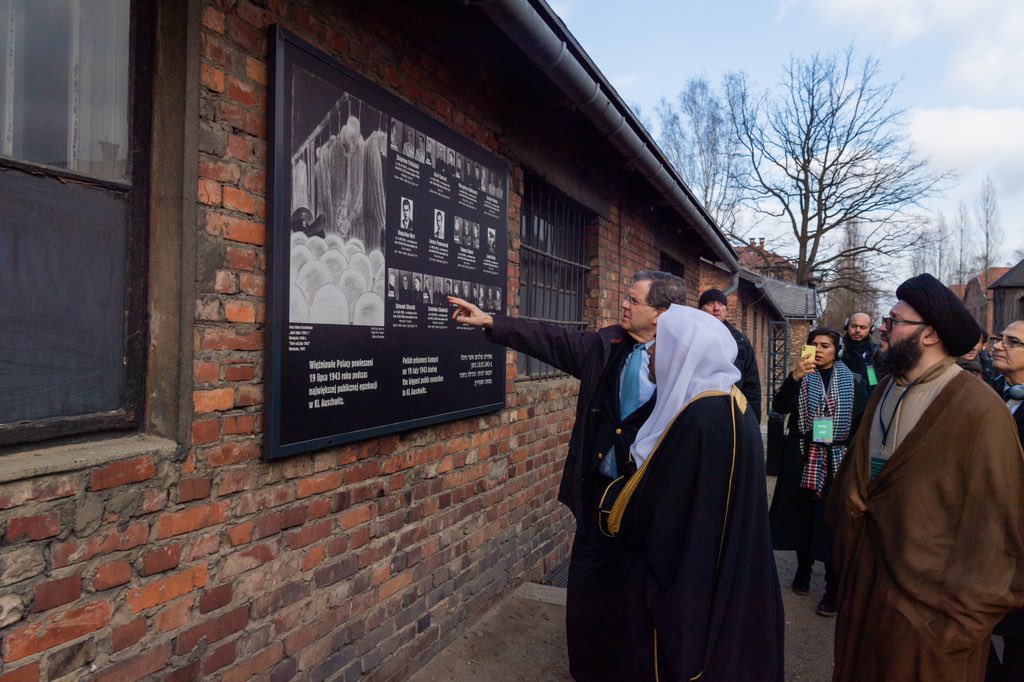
523	638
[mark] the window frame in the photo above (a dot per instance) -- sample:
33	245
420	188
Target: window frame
135	324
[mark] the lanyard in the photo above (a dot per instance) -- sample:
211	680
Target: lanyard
881	422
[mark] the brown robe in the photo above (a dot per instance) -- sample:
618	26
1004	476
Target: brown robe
930	553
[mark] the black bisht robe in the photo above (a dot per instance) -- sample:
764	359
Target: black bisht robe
701	586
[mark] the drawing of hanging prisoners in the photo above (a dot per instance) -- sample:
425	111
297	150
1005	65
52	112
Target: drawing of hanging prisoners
338	228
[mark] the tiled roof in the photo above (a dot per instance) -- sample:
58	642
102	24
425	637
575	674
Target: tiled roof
793	300
1014	277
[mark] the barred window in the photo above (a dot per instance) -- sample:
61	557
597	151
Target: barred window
552	268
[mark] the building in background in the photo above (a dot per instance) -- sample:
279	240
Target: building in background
144	534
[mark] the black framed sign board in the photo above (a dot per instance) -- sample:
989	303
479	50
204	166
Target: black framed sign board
377	213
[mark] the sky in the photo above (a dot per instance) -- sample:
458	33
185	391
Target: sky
960	68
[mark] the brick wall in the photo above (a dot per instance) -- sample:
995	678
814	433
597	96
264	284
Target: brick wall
360	561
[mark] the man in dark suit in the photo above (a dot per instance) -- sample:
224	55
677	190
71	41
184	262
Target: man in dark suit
716	304
1008	359
615	398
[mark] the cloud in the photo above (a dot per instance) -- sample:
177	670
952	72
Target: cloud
907	20
991	61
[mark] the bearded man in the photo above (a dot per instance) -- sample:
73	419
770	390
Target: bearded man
858	350
926	506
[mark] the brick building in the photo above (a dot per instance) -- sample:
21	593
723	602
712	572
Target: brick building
144	536
978	299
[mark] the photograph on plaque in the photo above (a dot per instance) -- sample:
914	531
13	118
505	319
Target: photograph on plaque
378	212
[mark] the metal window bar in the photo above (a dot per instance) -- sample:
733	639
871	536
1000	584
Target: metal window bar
778	357
552	271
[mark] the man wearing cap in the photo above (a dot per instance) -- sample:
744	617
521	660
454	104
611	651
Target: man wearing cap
616	396
715	303
926	506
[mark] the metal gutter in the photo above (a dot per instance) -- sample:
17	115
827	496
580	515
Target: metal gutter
541	35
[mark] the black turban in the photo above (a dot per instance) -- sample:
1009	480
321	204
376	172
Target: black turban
712	295
940	307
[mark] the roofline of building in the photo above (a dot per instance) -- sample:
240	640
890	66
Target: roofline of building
534	27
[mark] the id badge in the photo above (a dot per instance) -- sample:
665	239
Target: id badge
823	430
872	377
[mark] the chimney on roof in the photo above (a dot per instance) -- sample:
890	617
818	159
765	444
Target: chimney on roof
753	242
762	242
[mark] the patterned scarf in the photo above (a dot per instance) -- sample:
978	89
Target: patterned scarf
814	403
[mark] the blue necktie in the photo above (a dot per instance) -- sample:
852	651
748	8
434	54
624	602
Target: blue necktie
629	401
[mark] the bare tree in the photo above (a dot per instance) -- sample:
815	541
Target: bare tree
987	213
826	150
963	232
696	135
932	252
851	289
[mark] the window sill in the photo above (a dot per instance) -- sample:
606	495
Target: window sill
78	456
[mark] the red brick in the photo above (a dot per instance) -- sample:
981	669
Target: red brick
54	488
268	524
160	560
231	339
235	229
37	527
243	423
240	257
234	481
309	534
204	546
312	558
193	489
242	312
136	668
240	148
249	395
120	473
55	593
165	589
219	657
241	534
213	19
206	372
26	673
213	400
221	171
111	575
72	551
257	664
210	192
233	453
256	70
319	484
186	673
294	516
15	494
170	524
205	432
154	501
240	562
355	516
252	284
215	598
124	636
211	78
174	616
57	629
213	630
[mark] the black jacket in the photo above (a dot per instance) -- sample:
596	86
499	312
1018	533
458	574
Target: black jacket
746	363
595	358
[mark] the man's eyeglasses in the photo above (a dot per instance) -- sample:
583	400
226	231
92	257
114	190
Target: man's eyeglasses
632	302
1008	342
890	322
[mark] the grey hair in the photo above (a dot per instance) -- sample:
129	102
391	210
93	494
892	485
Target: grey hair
666	288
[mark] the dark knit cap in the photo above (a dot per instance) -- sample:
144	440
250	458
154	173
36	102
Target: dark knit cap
940	307
715	295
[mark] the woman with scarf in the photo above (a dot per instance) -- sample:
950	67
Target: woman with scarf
824	401
702	593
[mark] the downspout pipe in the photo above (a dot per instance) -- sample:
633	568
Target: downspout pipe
552	55
734	283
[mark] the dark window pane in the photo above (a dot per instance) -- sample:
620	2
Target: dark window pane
62	313
552	268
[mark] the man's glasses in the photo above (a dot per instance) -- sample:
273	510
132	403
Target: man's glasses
1008	342
890	322
632	302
